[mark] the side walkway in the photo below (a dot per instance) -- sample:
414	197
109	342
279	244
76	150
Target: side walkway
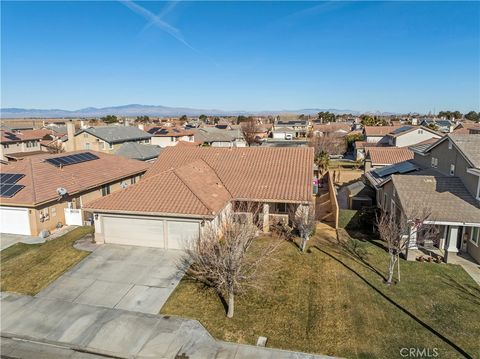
118	333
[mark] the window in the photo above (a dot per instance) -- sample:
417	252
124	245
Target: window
85	135
102	145
133	180
110	146
5	146
281	207
87	146
452	170
44	215
420	132
434	162
105	190
393	192
475	237
449	145
53	211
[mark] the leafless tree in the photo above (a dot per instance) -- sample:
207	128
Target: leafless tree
303	219
397	231
250	130
55	147
333	145
220	257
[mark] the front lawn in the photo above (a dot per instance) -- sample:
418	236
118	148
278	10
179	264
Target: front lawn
28	268
332	300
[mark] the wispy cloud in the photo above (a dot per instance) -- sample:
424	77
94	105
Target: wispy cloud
157	21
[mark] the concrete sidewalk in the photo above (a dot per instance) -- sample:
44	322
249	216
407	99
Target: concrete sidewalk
119	333
8	240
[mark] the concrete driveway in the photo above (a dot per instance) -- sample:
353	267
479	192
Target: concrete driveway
8	240
124	277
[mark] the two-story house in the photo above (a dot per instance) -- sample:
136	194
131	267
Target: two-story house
283	129
19	143
443	179
105	139
409	135
167	136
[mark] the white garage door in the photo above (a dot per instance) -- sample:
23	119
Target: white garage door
14	220
134	231
180	233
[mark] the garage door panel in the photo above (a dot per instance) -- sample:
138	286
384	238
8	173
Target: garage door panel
181	233
14	220
134	231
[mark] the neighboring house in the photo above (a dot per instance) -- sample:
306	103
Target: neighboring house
467	129
409	135
383	156
443	179
15	144
105	139
214	137
444	126
360	148
299	128
332	129
37	193
169	135
374	134
139	151
190	187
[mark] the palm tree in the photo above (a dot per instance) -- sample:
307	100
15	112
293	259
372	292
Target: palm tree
323	162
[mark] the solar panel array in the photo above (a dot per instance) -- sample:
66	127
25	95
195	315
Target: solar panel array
402	167
8	186
72	159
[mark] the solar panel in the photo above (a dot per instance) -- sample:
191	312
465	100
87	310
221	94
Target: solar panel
9	190
72	159
10	178
402	167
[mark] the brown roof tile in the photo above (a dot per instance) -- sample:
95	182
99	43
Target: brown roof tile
42	178
200	181
379	130
388	155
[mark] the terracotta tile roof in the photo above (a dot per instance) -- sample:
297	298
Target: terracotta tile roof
379	130
446	196
193	189
332	127
42	178
388	155
189	144
200	181
251	172
169	131
10	137
365	144
466	128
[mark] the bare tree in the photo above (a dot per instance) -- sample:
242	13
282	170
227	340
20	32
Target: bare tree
303	219
398	232
219	257
250	130
333	145
55	147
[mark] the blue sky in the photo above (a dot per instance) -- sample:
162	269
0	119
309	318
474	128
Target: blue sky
387	56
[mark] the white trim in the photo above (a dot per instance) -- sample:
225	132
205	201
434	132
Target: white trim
447	223
478	238
473	171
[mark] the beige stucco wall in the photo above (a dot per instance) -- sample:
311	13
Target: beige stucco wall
19	147
96	144
56	209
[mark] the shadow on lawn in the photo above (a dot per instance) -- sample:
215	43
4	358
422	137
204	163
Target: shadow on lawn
468	292
390	300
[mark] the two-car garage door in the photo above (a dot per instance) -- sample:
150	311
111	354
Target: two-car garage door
149	232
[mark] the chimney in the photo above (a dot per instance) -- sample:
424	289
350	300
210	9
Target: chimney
140	126
70	144
82	124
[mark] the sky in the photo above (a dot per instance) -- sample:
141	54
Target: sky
365	56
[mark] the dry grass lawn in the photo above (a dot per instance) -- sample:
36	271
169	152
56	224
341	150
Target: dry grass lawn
28	268
331	300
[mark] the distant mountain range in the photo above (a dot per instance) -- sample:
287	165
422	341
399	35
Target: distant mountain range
148	110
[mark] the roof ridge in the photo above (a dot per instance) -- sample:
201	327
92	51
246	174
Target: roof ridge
32	180
174	171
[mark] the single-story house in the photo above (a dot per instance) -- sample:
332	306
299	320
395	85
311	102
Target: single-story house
215	137
45	191
190	187
139	151
383	156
